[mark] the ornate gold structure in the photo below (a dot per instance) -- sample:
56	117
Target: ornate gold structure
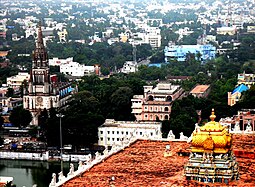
212	138
211	158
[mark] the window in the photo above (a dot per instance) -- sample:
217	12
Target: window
122	132
151	134
101	139
101	132
112	132
117	132
108	139
126	133
113	139
108	132
141	133
118	139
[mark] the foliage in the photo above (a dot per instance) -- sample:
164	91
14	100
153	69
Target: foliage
10	92
20	117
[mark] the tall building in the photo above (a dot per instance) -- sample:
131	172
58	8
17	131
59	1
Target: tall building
156	102
43	93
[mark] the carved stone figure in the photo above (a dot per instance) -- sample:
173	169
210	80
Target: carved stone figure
53	180
71	171
60	176
170	135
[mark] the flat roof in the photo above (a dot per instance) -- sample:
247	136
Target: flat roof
199	89
143	164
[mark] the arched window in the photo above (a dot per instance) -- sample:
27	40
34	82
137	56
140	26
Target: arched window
166	117
150	98
166	109
169	98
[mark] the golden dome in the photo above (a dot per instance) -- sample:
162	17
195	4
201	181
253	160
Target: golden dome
212	137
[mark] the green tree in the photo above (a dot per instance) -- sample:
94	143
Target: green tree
20	117
10	92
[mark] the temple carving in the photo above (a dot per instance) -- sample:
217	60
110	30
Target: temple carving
211	158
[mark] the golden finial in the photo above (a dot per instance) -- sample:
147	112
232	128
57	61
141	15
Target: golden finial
212	116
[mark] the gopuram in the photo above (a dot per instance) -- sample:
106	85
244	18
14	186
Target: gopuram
211	158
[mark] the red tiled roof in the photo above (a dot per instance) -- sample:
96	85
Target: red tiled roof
144	164
200	89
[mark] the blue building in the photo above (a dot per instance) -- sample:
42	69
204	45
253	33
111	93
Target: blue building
179	52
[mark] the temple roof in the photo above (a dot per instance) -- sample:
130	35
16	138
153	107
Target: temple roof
143	164
212	137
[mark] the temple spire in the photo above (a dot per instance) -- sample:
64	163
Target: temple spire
212	116
40	57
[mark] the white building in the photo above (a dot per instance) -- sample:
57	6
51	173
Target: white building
151	35
75	69
129	67
69	67
58	62
16	80
114	132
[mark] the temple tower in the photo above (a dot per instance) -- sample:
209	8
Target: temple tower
211	158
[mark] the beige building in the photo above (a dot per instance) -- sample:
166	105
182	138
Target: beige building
226	30
16	80
156	102
201	91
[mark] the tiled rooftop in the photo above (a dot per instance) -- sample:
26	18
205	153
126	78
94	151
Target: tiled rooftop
200	89
144	164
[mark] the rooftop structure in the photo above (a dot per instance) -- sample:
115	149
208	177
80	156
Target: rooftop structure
200	91
236	94
211	158
179	52
143	163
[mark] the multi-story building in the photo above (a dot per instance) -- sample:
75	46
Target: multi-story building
244	83
236	94
69	67
246	79
62	35
151	35
75	69
129	67
17	80
42	93
114	132
179	52
226	30
156	102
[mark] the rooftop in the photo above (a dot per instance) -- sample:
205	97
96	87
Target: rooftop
144	164
200	89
